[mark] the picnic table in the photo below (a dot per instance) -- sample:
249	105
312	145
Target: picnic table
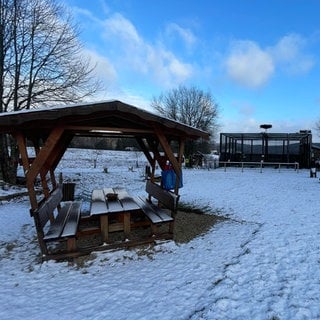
118	208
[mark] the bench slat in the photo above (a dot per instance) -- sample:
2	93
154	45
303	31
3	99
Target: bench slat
146	208
54	199
167	198
47	206
43	214
154	213
72	221
161	213
58	224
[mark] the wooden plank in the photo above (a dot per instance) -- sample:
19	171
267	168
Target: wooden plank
87	250
148	211
71	244
167	149
145	149
113	227
21	140
126	200
114	206
126	223
56	228
44	154
43	214
167	198
107	190
153	212
180	157
97	195
98	203
72	221
98	208
54	199
161	213
104	225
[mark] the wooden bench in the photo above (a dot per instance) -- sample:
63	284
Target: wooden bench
161	212
64	220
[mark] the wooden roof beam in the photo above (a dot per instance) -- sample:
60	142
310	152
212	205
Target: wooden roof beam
145	150
45	152
107	130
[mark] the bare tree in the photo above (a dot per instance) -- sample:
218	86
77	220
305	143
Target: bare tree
190	106
41	63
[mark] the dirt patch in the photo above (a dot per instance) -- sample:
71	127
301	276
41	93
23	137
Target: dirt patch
189	225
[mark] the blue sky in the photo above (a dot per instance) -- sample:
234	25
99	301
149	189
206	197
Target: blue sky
259	59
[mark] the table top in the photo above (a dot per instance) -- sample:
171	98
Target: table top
100	204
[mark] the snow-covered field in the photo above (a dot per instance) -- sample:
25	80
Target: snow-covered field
262	263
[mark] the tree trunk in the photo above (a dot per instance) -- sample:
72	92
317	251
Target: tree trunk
9	158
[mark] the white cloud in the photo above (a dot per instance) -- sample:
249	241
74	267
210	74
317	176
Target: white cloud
167	69
287	48
249	65
103	67
174	30
134	54
121	27
288	54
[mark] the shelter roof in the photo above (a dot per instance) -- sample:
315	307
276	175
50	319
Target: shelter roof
106	118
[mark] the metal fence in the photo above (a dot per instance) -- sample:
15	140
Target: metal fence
261	165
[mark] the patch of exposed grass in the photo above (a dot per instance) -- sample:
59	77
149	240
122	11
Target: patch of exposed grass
186	207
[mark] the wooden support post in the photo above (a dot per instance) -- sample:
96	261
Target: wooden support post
126	223
26	166
154	145
144	149
30	185
180	156
71	244
104	225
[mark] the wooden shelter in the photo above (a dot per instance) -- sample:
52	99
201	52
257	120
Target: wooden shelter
51	130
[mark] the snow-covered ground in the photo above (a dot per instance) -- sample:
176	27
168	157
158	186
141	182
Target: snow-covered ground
262	263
